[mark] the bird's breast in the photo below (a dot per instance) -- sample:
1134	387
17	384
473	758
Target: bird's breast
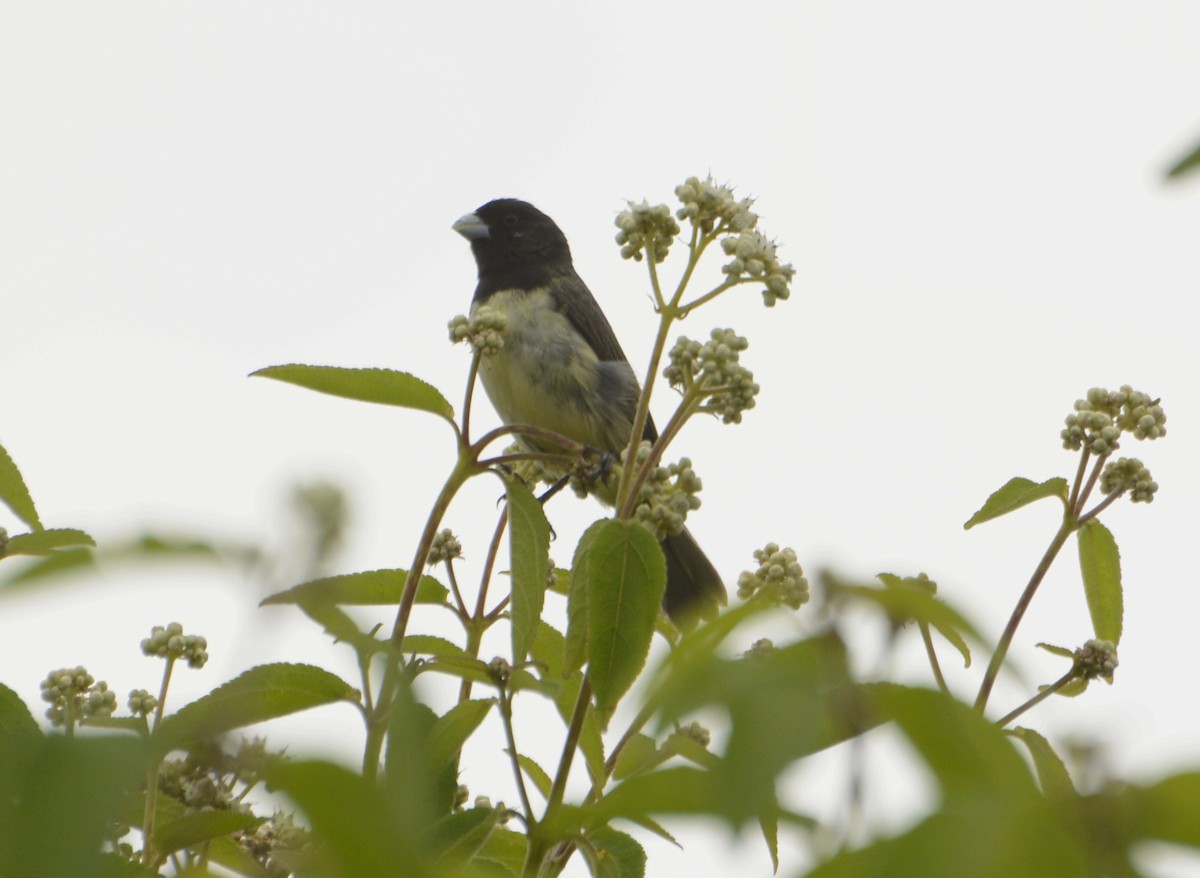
546	374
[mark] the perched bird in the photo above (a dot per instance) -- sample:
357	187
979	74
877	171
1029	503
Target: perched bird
561	367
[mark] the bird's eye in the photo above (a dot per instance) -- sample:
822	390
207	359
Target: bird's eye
510	220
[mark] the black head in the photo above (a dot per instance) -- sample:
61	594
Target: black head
515	245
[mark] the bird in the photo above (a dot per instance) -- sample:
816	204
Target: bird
561	368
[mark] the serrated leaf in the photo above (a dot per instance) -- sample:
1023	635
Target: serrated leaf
14	494
577	599
195	827
615	854
1057	650
626	578
465	668
383	386
451	730
259	694
1017	492
43	542
371	588
1052	773
537	774
1100	564
529	545
427	644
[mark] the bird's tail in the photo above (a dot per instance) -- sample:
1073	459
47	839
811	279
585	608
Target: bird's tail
694	588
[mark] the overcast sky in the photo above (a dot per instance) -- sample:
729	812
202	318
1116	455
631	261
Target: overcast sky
972	199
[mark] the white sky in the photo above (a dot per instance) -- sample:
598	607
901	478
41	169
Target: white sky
972	201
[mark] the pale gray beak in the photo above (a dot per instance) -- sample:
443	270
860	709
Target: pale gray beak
471	227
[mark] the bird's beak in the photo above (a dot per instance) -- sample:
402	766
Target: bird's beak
471	227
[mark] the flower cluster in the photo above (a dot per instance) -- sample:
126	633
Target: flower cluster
141	702
778	578
705	204
1099	420
1128	474
279	834
73	693
667	496
483	330
754	258
445	547
1097	658
171	643
695	732
646	227
712	368
759	649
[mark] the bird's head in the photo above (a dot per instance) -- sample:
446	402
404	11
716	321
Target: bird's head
513	238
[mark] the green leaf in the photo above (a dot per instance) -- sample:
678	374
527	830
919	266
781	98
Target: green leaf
259	694
1100	564
48	567
456	838
421	790
362	832
639	754
505	847
625	580
537	774
1185	165
465	668
770	831
969	756
614	854
677	790
1052	773
904	599
383	386
1058	650
226	852
14	494
793	701
50	795
43	542
577	598
427	644
451	731
1016	493
1167	810
195	827
373	588
338	625
529	545
20	739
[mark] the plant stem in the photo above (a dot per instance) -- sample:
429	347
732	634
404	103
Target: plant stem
1010	630
1040	697
514	755
477	622
148	814
933	659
